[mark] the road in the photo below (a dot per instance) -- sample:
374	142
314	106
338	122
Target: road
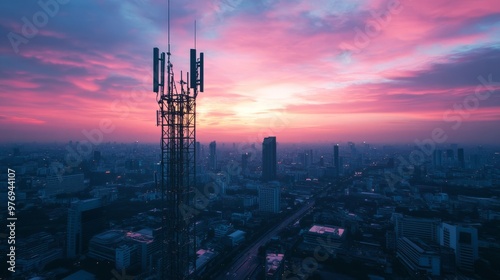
248	262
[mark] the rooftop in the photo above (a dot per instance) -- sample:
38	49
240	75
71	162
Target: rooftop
327	230
273	261
142	236
237	233
108	237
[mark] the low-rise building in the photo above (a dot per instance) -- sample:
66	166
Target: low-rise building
235	238
418	257
274	267
329	238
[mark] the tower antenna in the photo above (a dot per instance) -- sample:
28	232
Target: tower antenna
168	27
177	118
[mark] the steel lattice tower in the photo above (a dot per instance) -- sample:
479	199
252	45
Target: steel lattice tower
177	118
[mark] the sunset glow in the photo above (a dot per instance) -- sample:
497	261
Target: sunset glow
302	71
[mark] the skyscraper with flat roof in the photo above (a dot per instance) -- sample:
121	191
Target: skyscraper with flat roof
437	158
198	153
269	159
244	162
212	157
336	161
461	158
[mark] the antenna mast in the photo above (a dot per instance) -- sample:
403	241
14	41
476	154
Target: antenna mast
177	118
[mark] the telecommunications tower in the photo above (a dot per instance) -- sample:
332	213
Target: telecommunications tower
177	118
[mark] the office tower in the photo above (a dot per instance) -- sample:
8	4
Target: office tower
336	161
269	198
305	158
450	157
244	162
352	147
437	158
461	158
269	158
366	147
412	227
198	153
341	165
85	219
221	181
212	157
450	154
462	239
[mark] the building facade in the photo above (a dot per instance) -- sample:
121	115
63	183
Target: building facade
85	219
269	199
464	241
418	257
269	159
412	227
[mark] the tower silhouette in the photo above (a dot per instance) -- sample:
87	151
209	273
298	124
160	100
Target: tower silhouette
269	159
177	118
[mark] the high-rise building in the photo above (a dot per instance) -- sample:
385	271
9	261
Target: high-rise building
85	219
269	158
212	157
198	153
306	158
221	182
437	158
461	158
309	158
269	198
244	162
463	239
336	161
450	154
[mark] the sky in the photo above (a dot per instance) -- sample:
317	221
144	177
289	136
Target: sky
303	71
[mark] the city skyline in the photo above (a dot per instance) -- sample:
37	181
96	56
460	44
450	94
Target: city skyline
376	71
